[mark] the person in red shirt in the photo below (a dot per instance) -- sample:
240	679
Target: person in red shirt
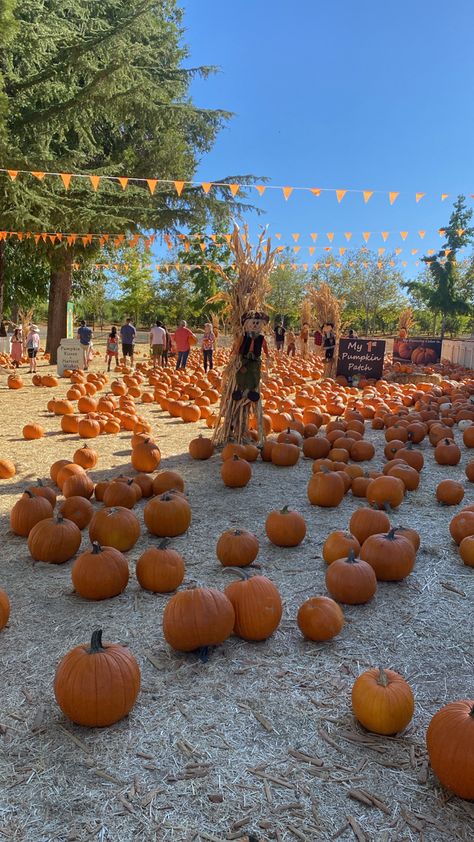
183	338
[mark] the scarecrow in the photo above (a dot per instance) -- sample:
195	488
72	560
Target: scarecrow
249	350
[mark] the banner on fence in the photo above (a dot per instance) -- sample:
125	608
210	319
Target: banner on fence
417	351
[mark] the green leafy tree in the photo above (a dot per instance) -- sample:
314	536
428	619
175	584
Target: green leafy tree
175	299
368	286
441	289
287	290
205	280
26	278
134	281
92	303
101	88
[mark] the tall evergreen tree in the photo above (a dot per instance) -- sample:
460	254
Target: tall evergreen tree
100	88
443	293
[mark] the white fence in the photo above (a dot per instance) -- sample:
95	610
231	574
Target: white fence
459	352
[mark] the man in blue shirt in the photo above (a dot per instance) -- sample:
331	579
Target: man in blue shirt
85	338
128	334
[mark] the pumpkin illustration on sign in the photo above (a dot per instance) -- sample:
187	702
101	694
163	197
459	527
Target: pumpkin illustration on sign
250	354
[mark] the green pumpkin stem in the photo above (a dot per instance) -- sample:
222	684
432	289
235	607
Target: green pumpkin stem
382	677
96	642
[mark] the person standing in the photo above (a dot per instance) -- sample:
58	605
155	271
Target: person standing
208	343
84	335
279	332
290	343
128	334
157	343
304	337
329	346
17	347
112	349
166	347
183	338
32	346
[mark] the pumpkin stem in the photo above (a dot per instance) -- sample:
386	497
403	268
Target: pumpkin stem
163	544
284	510
382	677
39	483
392	534
351	559
387	507
28	492
96	548
471	713
96	642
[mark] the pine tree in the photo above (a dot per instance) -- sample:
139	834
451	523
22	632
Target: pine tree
100	88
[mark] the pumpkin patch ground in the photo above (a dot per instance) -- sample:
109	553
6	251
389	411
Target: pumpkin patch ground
247	738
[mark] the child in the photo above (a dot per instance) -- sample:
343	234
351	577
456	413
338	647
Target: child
291	343
208	341
32	346
17	347
112	348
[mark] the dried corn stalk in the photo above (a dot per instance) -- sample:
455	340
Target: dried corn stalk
306	312
247	292
325	307
215	327
405	321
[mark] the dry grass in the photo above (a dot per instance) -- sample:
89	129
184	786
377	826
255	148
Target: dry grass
260	739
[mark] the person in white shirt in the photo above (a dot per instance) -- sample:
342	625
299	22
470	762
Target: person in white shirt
158	343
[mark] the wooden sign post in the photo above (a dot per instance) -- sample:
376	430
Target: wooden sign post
360	358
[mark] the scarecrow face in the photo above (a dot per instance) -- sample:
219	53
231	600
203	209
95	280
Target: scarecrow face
254	326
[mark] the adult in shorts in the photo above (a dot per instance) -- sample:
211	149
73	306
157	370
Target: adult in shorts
157	343
84	334
128	334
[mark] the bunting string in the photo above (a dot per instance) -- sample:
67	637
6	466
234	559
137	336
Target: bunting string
179	185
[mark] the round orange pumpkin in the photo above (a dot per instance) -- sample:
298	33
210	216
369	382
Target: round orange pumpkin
382	701
320	618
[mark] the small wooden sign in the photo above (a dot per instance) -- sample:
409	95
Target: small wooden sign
360	358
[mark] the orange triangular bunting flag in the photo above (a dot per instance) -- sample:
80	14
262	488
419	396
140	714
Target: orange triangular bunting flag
295	237
431	251
228	237
422	234
39	175
296	249
234	189
330	236
316	191
381	251
311	249
152	182
294	265
20	235
340	194
414	251
202	246
123	181
327	248
393	197
419	196
368	195
287	191
397	251
13	174
404	263
314	237
441	232
403	234
305	267
66	179
348	235
178	186
84	241
366	235
385	236
95	181
280	249
37	238
44	237
341	250
260	188
206	186
447	252
379	264
444	196
278	236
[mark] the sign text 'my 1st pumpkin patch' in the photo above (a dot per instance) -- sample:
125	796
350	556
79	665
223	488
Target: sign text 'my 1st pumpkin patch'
360	358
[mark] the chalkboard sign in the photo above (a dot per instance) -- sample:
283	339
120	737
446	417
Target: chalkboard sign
360	358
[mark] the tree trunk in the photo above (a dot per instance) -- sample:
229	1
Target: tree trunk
2	276
443	326
60	286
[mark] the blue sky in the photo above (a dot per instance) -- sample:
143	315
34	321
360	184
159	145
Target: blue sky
346	94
